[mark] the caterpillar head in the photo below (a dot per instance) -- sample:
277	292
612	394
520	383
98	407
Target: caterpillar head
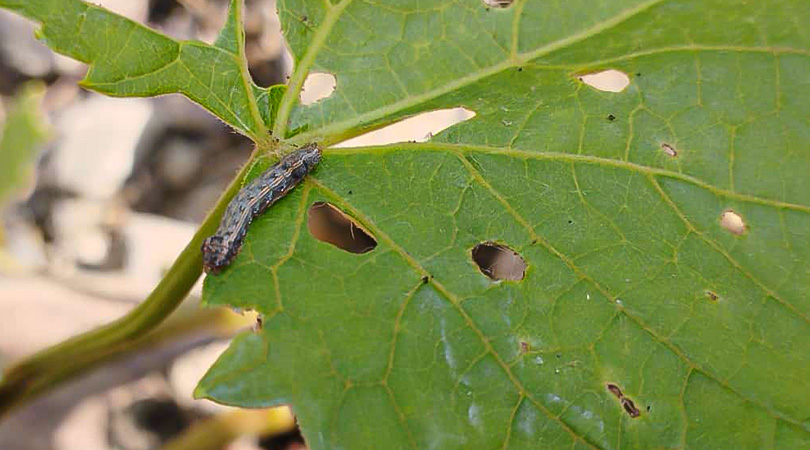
216	254
310	155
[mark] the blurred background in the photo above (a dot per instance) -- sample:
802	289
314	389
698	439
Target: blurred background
97	197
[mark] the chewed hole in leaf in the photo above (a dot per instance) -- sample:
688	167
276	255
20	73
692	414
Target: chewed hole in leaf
732	222
628	405
630	408
669	150
607	80
499	3
328	224
317	86
615	390
499	262
419	128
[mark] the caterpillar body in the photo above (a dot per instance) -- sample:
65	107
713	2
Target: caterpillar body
253	199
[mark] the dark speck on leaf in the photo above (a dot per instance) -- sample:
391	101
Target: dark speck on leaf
425	279
520	69
524	347
611	117
350	192
638	74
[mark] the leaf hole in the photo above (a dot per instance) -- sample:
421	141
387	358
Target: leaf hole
630	408
328	224
499	262
607	80
615	390
419	128
627	404
317	86
669	150
498	3
732	222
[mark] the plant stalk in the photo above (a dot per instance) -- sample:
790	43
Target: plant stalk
48	368
217	432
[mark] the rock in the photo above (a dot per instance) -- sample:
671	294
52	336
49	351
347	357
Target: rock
98	138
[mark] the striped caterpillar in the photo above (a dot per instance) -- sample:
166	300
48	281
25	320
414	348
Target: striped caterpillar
253	199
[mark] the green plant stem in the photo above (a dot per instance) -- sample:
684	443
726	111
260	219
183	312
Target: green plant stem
215	433
48	368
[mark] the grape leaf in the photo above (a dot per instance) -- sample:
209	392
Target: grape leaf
129	60
614	199
636	300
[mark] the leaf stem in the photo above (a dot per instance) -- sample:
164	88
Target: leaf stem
303	65
50	367
244	74
215	433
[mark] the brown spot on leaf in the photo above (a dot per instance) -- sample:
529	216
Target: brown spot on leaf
627	404
615	390
630	408
524	347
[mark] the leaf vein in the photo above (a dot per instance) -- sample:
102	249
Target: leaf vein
666	342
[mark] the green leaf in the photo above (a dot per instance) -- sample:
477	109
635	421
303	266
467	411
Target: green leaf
23	134
631	279
129	60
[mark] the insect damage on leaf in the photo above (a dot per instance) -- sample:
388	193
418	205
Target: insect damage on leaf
499	262
328	224
607	80
627	404
733	222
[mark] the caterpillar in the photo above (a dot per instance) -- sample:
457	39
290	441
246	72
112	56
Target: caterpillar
253	199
